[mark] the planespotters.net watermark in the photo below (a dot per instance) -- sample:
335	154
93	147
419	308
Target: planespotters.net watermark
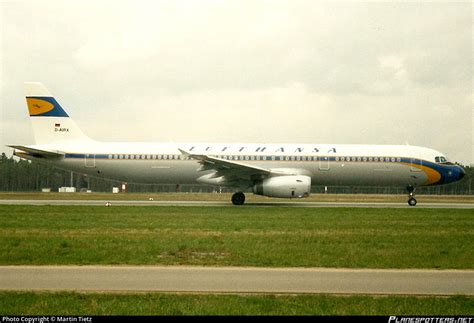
397	319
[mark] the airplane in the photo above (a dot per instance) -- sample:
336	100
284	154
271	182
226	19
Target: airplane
273	170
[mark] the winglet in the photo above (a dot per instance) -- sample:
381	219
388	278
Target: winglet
184	153
203	158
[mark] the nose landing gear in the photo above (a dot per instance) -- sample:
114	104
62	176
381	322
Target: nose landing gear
411	195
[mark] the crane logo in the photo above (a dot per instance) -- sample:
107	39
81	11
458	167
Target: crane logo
38	107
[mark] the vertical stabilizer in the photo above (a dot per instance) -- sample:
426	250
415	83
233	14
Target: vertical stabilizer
51	124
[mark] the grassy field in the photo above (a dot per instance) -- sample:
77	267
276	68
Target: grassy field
25	303
228	236
248	236
226	197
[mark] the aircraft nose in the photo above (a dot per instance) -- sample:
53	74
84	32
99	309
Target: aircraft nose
462	173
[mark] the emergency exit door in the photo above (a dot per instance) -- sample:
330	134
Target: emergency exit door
323	163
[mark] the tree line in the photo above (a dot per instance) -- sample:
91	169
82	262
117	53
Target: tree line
18	175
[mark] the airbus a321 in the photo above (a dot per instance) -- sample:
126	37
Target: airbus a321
274	170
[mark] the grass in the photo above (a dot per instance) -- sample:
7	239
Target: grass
226	197
237	236
47	303
243	236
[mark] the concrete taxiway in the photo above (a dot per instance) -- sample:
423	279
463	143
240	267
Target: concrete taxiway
236	280
248	204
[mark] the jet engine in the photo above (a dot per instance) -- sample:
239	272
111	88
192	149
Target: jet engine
287	186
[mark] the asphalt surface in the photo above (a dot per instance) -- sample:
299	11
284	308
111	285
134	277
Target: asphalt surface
248	204
236	280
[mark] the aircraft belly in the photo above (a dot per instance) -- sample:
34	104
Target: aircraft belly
368	174
353	173
186	171
167	172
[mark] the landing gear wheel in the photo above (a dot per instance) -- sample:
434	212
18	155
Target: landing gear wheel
411	195
238	198
412	201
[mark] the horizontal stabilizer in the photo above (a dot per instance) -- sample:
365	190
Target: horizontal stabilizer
36	152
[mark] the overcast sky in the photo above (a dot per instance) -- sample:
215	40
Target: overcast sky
246	71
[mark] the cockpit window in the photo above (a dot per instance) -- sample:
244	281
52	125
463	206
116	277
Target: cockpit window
441	160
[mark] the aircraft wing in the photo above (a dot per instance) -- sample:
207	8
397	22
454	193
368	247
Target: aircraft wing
230	172
39	153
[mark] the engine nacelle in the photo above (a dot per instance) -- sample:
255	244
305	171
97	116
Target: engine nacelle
284	186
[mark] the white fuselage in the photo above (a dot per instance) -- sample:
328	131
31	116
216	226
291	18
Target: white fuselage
324	164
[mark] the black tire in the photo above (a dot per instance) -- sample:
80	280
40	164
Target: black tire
412	201
238	198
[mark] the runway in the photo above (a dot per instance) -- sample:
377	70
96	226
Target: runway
236	280
248	204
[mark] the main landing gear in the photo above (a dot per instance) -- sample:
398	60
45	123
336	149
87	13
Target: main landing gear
411	195
238	198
